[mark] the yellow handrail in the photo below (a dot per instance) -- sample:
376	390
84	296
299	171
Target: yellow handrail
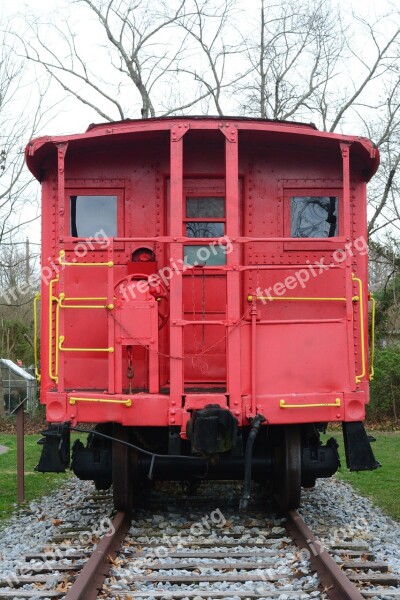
110	263
63	297
83	298
60	347
372	357
282	404
52	298
362	332
301	298
73	400
35	336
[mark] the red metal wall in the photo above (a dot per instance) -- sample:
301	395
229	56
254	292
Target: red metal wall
258	353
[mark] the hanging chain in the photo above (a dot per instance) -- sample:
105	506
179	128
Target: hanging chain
129	371
202	363
195	344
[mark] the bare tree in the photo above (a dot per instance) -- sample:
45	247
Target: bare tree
19	279
308	63
209	25
21	114
17	125
298	60
383	126
139	54
293	52
370	71
168	55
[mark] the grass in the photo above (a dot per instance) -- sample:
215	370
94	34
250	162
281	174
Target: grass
36	484
382	486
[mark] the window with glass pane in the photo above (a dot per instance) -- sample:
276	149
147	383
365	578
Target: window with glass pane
314	216
92	215
205	218
205	207
201	229
209	256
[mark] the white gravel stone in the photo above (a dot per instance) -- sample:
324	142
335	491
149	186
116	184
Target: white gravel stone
32	528
334	511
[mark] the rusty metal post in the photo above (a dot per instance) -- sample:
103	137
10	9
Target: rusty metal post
20	453
19	413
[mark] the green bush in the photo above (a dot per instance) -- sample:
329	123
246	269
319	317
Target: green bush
385	387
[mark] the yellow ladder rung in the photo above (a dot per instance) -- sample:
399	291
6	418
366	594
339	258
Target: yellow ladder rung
63	349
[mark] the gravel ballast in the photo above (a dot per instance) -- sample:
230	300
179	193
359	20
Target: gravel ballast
333	510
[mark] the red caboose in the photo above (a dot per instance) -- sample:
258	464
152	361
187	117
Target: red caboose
204	300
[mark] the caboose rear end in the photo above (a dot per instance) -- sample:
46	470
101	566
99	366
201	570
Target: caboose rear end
204	301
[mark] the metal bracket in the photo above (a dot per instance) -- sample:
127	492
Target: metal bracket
229	131
178	131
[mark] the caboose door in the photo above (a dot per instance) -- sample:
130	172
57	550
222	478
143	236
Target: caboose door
204	285
304	325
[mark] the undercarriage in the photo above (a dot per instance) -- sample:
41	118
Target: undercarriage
286	457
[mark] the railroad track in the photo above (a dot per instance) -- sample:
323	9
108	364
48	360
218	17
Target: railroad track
198	548
51	569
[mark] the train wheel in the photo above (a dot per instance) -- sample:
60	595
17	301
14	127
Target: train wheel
123	472
288	469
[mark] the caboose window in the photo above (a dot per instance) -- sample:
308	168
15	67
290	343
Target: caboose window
91	215
314	216
200	229
204	218
205	207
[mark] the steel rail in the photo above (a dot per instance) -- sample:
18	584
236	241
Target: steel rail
335	582
90	580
